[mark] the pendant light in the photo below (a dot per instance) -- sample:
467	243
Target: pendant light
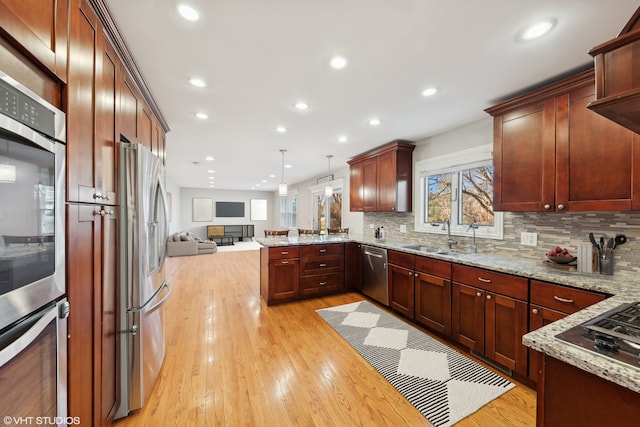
282	188
328	190
8	171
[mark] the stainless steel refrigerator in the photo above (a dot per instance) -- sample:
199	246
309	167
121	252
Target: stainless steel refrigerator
143	287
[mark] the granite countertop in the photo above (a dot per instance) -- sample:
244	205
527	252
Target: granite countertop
624	288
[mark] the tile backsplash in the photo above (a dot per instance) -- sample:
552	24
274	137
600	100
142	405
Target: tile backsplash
553	229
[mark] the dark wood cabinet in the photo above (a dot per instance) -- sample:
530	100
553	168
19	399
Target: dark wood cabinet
280	273
617	81
551	153
381	180
569	396
39	28
489	314
129	109
433	294
551	302
401	274
94	340
353	266
92	103
321	269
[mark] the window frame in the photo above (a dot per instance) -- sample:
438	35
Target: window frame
287	215
338	187
452	163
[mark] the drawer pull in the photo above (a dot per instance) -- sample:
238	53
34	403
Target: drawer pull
323	251
323	265
557	298
285	262
323	283
482	279
534	311
284	253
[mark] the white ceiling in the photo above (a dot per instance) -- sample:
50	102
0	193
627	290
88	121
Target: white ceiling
259	57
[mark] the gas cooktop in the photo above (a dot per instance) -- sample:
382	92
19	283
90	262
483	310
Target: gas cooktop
614	334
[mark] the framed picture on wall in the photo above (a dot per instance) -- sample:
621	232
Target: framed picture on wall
202	209
258	210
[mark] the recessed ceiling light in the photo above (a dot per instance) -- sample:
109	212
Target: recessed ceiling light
342	138
272	176
302	106
338	62
209	158
264	180
212	186
537	29
288	166
429	91
188	12
374	122
202	116
281	129
197	82
211	171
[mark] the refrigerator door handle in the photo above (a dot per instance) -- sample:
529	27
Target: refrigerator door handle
144	306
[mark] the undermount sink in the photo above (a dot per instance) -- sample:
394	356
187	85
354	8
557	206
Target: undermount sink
427	249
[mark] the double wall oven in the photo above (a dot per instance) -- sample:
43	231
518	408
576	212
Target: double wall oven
33	307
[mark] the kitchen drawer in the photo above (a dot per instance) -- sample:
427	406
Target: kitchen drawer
434	267
321	265
562	298
321	283
319	250
505	284
401	259
284	252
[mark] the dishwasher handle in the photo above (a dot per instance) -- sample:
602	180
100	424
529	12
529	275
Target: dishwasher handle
372	254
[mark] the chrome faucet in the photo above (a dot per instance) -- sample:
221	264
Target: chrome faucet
473	226
447	226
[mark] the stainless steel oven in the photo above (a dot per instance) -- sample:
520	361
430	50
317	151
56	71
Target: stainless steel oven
33	308
32	182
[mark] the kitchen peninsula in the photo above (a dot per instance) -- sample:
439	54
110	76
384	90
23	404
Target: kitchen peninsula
618	289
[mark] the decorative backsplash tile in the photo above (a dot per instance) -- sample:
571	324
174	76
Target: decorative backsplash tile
553	229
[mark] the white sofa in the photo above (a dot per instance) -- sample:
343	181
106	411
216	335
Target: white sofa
185	243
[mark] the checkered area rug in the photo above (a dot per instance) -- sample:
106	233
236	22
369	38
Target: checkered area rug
441	383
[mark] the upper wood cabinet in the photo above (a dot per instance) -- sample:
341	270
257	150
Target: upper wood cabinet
381	179
551	153
617	79
39	29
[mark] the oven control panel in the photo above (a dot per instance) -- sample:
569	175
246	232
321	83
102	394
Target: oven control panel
26	110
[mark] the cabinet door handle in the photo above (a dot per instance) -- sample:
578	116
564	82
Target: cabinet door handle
488	296
478	294
547	206
482	279
557	298
323	251
416	274
323	283
534	311
410	273
560	207
285	262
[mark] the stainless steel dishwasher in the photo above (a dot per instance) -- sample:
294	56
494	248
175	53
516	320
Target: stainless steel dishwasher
374	273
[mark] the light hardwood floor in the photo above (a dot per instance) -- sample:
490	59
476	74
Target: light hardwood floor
233	361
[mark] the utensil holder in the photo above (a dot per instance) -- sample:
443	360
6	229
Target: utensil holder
605	263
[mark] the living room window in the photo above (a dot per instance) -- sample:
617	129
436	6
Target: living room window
458	186
289	210
327	210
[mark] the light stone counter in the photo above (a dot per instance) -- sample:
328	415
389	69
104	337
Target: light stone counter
623	288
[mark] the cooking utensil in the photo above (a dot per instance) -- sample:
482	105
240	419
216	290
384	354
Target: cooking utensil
620	239
592	240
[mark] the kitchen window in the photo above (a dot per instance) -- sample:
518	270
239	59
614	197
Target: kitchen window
458	186
327	210
289	210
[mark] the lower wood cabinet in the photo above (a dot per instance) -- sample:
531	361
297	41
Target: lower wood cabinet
489	315
433	294
321	269
400	276
353	266
280	273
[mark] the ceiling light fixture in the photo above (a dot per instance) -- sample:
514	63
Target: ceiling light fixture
338	62
281	129
209	158
202	116
537	29
197	82
282	188
301	106
374	122
188	12
328	190
429	91
342	138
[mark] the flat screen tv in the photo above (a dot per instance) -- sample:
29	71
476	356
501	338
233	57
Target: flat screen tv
230	209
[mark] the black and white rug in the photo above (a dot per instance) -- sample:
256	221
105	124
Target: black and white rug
441	383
